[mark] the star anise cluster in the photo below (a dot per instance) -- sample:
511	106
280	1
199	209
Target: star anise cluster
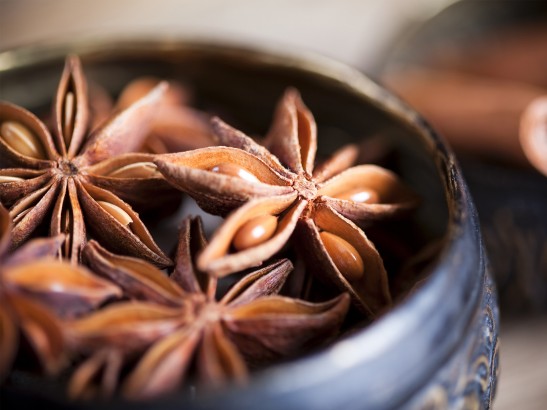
84	284
273	193
180	322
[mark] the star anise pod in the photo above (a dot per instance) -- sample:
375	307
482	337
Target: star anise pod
35	288
176	126
250	325
77	179
270	201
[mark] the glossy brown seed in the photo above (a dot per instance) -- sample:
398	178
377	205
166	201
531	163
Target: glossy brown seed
234	170
344	255
136	170
21	139
255	231
118	213
68	120
360	195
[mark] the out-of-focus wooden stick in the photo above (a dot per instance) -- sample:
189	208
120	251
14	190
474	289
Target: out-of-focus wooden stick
518	53
477	114
533	133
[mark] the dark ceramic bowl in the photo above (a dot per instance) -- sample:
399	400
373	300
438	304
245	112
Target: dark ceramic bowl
438	348
512	202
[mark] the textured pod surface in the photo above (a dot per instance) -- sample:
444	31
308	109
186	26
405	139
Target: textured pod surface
66	289
218	193
134	239
184	326
175	126
289	154
352	369
218	257
51	167
129	326
138	279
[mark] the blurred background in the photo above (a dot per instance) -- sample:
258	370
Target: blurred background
476	69
355	32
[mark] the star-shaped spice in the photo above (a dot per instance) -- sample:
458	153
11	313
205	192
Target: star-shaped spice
35	289
80	179
176	126
215	339
277	192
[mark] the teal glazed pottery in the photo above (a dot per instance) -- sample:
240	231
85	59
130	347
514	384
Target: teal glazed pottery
437	348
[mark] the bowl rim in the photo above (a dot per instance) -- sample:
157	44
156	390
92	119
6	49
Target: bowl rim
448	280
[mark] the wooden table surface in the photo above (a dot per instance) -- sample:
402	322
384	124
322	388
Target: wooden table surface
523	361
356	32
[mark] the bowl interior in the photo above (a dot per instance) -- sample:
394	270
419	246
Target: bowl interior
242	87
